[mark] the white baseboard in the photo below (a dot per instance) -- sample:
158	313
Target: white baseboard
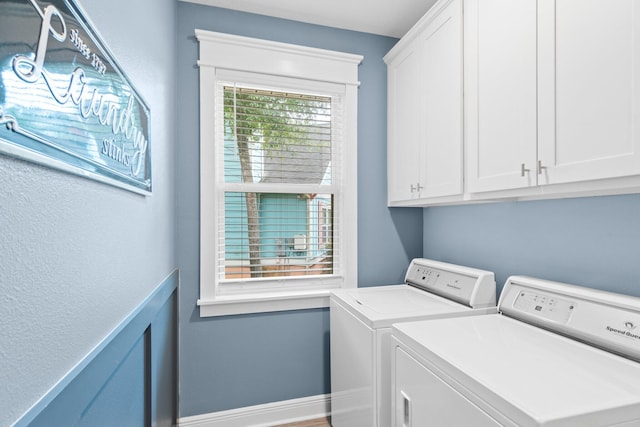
269	414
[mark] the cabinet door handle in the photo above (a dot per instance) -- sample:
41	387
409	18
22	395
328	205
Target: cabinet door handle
417	187
523	170
406	410
540	167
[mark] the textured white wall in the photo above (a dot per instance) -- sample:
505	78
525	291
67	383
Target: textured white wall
77	256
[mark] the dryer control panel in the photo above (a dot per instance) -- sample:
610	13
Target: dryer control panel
472	287
607	320
544	305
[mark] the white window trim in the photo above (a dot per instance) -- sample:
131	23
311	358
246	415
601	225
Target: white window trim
221	54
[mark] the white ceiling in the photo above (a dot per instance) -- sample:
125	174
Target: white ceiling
385	17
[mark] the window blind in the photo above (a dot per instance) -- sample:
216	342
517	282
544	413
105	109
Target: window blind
279	192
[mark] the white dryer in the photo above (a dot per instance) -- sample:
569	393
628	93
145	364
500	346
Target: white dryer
361	322
555	355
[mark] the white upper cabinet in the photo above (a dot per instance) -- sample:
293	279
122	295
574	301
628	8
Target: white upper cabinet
552	91
404	149
500	93
551	102
425	108
589	89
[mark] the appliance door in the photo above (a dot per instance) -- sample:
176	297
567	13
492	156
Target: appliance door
423	399
382	306
519	372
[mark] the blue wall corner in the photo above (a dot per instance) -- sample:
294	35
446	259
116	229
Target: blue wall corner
239	361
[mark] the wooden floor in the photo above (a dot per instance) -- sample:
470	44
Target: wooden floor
320	422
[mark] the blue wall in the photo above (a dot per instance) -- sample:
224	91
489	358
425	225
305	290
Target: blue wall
130	379
78	256
591	241
239	361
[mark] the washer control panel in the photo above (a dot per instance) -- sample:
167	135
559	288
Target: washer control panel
469	286
428	277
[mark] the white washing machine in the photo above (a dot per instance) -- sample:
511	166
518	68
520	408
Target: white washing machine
555	355
361	322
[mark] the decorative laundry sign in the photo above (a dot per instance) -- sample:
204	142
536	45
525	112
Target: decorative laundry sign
64	101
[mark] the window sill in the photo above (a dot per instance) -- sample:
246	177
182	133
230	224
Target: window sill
263	303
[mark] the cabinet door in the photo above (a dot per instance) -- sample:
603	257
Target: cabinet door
589	89
405	114
500	93
441	174
425	108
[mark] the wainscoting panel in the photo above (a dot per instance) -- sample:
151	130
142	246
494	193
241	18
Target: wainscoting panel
130	379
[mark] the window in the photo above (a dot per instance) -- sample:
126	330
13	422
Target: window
278	174
284	141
